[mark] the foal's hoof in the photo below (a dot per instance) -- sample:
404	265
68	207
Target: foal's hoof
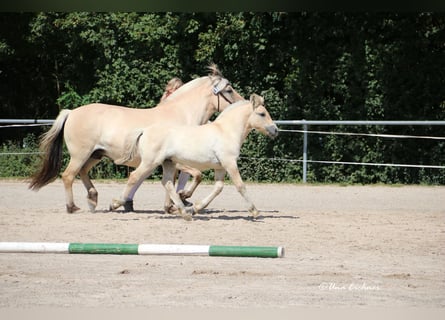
196	210
254	213
128	205
187	217
255	216
197	207
186	213
116	204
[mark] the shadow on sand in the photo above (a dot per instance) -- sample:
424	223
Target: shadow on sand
206	215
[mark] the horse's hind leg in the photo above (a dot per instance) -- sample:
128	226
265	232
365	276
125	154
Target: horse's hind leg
128	205
134	181
68	177
92	194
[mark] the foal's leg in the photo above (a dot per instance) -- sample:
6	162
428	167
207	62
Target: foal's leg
134	181
182	180
168	175
169	206
186	171
232	170
219	185
92	192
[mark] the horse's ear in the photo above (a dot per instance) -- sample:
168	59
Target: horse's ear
256	100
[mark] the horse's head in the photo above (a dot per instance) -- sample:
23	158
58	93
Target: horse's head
224	94
197	100
260	118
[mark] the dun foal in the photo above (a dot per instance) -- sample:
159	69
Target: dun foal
214	145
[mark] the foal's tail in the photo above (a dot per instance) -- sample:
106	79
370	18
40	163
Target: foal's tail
51	145
131	148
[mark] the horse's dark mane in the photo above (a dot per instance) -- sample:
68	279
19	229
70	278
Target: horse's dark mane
214	71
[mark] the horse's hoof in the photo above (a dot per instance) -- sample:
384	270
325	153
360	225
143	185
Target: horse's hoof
92	199
92	206
187	203
172	209
184	195
72	208
128	206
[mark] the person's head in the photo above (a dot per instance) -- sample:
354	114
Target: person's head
171	86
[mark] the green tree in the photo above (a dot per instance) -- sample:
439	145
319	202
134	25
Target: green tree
315	66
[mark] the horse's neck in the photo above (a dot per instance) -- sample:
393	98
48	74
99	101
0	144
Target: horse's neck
192	105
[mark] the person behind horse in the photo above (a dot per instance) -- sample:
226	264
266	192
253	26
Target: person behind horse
171	87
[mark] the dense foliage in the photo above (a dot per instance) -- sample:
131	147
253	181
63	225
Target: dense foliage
314	66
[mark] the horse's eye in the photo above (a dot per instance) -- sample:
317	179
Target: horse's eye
262	114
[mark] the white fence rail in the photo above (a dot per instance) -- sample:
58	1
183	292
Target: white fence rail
26	121
306	123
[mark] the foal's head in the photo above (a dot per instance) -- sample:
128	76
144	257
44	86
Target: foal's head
260	118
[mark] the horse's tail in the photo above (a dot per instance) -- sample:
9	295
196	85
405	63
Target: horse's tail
131	148
51	145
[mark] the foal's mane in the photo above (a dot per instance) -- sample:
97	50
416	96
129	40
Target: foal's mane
231	107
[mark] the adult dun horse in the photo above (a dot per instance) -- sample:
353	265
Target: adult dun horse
214	145
98	130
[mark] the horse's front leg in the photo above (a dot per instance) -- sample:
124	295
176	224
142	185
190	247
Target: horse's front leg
182	180
232	170
168	176
219	185
134	181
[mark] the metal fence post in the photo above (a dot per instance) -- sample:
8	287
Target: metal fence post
304	152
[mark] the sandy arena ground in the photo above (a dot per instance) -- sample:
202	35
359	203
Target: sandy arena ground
376	246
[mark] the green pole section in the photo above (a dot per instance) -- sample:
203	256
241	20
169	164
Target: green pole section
103	248
237	251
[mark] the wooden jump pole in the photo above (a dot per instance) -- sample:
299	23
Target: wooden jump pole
141	249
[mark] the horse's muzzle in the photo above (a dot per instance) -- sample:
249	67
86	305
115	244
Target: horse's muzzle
272	131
